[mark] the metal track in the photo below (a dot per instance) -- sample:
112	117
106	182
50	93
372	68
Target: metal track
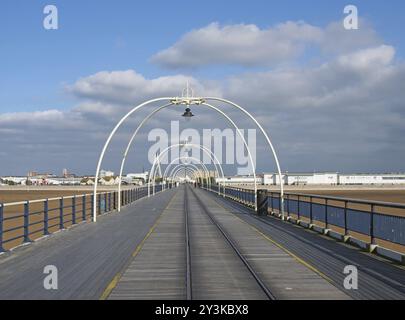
262	285
188	254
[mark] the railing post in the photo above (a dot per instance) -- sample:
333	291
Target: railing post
105	202
46	217
109	201
326	214
61	222
372	240
288	205
92	202
98	199
74	210
27	221
272	203
298	208
1	226
345	217
311	217
84	208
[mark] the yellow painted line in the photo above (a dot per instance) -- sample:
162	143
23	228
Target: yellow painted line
118	276
298	259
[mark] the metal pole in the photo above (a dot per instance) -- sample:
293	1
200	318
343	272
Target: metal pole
61	222
1	226
46	217
26	221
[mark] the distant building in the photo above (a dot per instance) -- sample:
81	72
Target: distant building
136	176
379	179
333	178
240	180
106	173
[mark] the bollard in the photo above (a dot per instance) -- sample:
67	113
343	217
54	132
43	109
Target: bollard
261	202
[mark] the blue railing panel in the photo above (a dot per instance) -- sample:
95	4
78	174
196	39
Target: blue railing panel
358	221
389	228
336	216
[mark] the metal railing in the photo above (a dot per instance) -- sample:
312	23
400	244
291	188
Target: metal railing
24	221
374	223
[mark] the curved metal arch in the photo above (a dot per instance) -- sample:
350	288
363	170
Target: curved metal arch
182	101
100	160
186	157
191	165
244	143
268	141
186	169
212	156
129	146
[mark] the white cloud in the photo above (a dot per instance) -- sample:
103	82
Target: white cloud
248	45
128	87
242	44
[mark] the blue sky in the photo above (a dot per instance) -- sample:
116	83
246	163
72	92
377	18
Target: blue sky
320	91
118	35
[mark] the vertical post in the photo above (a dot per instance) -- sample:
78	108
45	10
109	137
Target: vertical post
46	217
61	222
92	204
288	205
74	210
109	201
99	203
1	226
105	202
261	202
372	240
272	203
84	208
311	216
345	217
298	208
326	213
27	221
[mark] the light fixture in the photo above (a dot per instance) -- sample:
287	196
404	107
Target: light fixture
187	113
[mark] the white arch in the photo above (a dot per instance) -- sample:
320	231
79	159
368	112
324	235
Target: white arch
191	165
129	146
212	156
183	101
268	141
244	143
191	158
186	170
100	160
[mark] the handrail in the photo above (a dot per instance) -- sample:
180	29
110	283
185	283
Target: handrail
68	211
357	201
376	226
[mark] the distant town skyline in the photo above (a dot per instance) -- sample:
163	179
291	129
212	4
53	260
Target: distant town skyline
332	99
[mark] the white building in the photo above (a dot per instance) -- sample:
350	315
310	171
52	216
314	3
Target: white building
240	180
333	178
379	179
137	176
106	173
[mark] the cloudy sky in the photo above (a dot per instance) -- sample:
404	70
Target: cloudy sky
331	99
